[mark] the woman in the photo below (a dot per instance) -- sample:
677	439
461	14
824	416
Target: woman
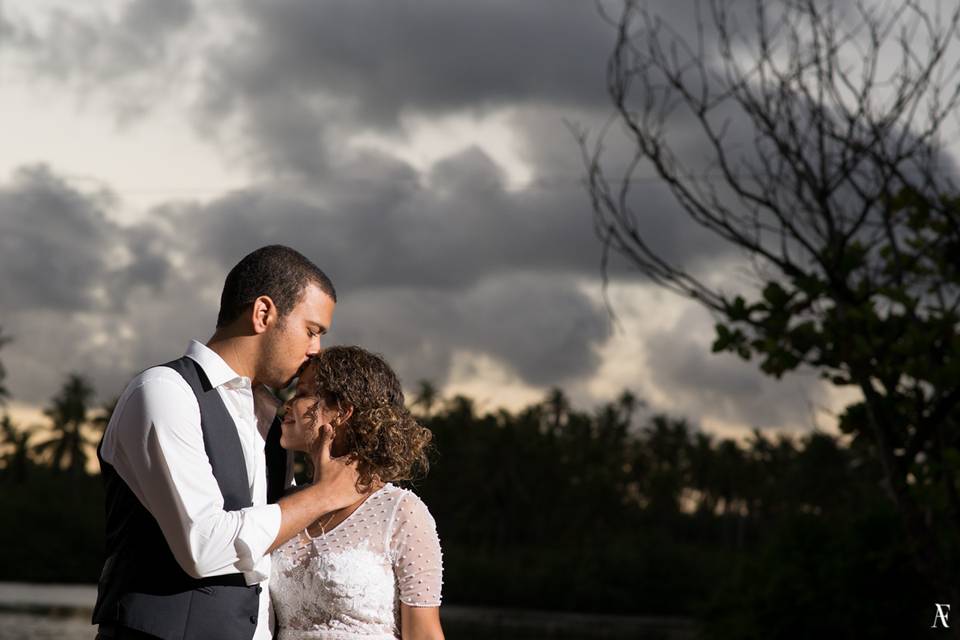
373	569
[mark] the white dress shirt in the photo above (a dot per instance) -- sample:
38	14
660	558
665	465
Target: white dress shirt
155	443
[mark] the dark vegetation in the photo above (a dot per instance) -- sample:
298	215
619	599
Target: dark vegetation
618	510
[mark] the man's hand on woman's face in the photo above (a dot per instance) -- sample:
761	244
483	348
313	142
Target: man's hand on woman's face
337	474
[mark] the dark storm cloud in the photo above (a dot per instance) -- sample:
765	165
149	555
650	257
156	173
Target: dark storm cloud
427	265
307	76
304	77
53	243
80	292
148	267
430	56
59	251
127	314
537	326
383	228
433	56
430	264
430	271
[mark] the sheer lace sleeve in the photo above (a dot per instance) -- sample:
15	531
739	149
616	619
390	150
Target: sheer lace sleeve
415	553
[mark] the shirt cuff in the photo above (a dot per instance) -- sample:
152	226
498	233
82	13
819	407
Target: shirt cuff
258	529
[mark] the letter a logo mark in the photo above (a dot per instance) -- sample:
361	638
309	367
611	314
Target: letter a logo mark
943	610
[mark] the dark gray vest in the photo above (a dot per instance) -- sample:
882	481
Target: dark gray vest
142	586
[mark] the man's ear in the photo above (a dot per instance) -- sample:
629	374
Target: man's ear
263	315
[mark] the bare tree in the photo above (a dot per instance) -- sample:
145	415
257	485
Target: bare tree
821	157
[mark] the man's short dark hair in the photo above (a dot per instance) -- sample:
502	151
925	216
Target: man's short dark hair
276	271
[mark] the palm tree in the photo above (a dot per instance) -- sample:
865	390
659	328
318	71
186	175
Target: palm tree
666	441
460	409
427	396
106	412
4	392
557	407
16	460
703	462
628	402
69	415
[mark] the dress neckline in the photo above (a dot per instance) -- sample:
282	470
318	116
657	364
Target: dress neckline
363	504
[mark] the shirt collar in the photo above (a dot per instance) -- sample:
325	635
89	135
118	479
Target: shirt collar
217	370
266	405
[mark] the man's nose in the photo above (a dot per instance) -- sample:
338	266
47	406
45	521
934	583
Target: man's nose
314	348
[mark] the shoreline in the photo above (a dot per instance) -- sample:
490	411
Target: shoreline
75	600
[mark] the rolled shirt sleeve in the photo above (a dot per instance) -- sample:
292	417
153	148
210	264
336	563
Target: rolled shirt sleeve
155	443
258	530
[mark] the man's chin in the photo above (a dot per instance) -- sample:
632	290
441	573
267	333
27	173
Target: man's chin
279	384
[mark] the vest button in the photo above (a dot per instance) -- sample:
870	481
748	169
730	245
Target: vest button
253	619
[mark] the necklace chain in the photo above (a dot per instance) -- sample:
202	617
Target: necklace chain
318	522
330	516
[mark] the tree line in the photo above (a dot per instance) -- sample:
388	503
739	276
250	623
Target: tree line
625	510
618	509
66	443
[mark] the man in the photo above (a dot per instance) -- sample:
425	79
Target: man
193	499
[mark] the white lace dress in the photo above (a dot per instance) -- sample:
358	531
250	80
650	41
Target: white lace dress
349	582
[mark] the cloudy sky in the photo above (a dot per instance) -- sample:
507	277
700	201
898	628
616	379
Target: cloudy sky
416	150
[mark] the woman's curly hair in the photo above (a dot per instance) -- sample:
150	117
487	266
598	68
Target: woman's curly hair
384	438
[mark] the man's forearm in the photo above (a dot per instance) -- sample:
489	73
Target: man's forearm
300	509
334	487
